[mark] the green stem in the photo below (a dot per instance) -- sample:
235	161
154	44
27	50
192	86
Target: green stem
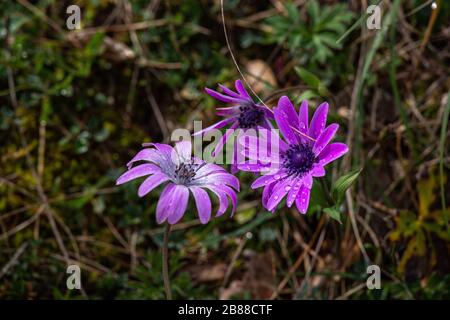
326	190
165	262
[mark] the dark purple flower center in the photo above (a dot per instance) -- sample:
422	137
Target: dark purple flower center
185	172
299	159
250	116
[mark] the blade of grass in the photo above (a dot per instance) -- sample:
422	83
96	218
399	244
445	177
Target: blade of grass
355	25
364	76
393	80
441	157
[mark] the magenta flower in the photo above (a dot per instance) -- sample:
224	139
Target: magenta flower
243	113
301	156
184	173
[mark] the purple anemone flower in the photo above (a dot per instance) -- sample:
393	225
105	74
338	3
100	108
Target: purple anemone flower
243	113
303	154
183	173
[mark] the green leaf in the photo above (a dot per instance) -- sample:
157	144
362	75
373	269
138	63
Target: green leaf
441	159
293	11
342	184
313	10
306	95
333	213
309	78
313	81
310	40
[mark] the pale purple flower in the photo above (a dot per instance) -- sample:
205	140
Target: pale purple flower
243	113
183	174
301	156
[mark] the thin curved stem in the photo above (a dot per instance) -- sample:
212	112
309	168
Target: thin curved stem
245	79
165	262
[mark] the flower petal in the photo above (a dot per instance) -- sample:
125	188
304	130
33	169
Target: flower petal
228	111
271	137
318	121
229	92
221	178
203	203
151	155
251	167
232	195
331	152
209	168
177	204
229	132
307	181
161	147
217	125
267	191
303	117
265	147
278	193
223	200
288	108
241	89
292	195
302	201
283	124
267	179
325	137
222	192
164	199
163	156
151	183
223	97
184	150
318	171
137	172
258	153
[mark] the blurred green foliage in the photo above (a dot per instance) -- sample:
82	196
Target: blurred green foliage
310	39
420	228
